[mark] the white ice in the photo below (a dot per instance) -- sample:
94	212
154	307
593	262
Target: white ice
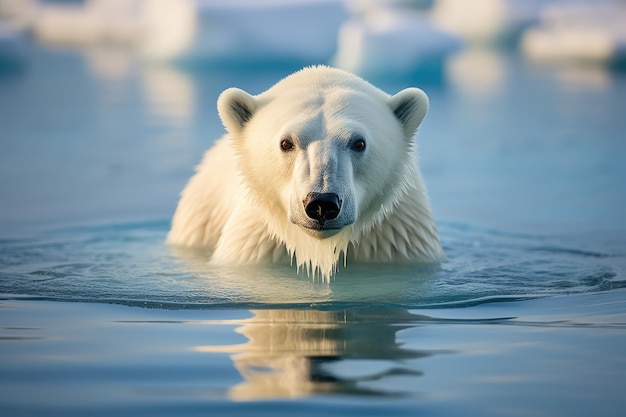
592	32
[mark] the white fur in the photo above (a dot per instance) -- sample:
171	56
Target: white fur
245	200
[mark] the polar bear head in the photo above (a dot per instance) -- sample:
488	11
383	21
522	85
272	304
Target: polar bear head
323	150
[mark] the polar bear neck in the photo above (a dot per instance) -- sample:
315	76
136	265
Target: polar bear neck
402	232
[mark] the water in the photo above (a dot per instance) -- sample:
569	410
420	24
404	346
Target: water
130	264
525	170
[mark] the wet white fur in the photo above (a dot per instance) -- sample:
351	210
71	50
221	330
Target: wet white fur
237	205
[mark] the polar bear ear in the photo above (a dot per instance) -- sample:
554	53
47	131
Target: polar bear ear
236	108
410	107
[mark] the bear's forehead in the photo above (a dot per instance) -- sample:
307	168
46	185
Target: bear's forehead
314	114
325	81
324	76
331	102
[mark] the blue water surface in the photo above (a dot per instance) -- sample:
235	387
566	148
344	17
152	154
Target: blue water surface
525	170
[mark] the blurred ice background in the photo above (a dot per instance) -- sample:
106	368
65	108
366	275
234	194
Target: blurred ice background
364	36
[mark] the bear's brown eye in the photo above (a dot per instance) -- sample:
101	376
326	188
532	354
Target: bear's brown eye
286	145
358	145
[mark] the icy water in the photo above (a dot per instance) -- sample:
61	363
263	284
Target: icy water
525	169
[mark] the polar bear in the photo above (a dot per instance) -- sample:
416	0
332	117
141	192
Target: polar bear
319	170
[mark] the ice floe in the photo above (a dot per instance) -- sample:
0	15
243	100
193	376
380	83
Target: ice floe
487	21
388	40
581	32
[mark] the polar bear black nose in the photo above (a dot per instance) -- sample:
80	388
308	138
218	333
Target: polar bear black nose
322	206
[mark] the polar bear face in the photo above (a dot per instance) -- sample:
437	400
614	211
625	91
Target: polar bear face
323	149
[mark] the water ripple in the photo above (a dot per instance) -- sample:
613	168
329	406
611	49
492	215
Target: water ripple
129	263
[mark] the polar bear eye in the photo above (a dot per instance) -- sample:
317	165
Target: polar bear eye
286	145
358	145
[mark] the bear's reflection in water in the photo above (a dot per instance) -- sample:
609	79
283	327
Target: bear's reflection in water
296	353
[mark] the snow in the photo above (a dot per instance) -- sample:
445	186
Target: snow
98	21
487	21
579	32
392	41
276	30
